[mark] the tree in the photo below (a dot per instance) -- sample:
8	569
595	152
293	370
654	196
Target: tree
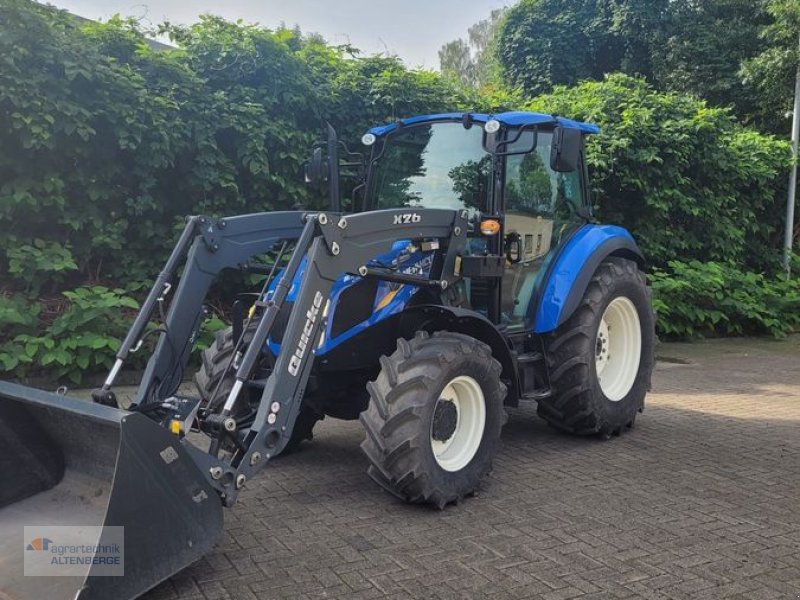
736	53
704	46
471	181
771	72
455	61
543	43
472	61
529	188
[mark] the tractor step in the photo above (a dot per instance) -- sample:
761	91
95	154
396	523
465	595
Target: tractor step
536	395
530	357
532	374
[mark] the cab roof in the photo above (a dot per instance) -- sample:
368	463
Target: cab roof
510	119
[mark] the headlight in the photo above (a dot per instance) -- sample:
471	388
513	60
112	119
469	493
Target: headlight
492	126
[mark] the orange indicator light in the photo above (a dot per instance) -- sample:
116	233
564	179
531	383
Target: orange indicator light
490	227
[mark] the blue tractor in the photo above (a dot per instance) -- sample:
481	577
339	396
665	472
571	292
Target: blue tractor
466	275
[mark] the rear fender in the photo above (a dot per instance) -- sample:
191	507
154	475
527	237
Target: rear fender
574	267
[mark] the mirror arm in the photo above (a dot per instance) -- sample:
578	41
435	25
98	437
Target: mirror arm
361	186
333	169
505	143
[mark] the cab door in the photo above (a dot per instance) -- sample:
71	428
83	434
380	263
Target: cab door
541	208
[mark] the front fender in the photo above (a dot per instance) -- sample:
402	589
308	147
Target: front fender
574	267
434	317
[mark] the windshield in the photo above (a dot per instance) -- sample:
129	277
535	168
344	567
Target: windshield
440	165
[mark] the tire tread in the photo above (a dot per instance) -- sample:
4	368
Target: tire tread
573	406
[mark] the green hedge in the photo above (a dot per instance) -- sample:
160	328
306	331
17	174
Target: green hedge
709	298
106	144
687	179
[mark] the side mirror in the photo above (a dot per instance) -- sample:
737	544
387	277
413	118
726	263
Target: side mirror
566	149
316	169
513	243
320	170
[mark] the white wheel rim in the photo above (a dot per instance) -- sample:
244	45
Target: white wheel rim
456	451
618	348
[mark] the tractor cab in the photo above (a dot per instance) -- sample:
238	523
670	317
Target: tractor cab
520	176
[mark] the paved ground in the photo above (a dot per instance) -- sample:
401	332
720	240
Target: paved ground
700	500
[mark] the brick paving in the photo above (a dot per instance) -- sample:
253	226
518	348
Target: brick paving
700	500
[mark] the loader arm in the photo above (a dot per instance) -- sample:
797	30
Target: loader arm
332	244
207	246
340	244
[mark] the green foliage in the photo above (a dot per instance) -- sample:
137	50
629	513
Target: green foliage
530	188
737	53
704	46
78	335
771	72
209	328
712	298
16	313
83	336
106	144
544	43
473	61
39	262
685	178
455	61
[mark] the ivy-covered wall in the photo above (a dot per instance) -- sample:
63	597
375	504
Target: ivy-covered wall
106	144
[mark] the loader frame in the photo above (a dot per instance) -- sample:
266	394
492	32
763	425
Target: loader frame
333	244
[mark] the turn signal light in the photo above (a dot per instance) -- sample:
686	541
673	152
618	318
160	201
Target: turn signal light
490	227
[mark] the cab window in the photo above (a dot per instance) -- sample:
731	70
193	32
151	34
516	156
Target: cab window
532	187
440	165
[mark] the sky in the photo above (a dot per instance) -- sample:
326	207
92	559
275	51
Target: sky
414	30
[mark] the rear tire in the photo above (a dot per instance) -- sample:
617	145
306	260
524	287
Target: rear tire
216	359
601	359
433	423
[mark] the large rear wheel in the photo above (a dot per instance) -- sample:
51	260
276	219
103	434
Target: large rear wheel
434	418
600	360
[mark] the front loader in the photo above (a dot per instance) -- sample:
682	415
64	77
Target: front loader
466	275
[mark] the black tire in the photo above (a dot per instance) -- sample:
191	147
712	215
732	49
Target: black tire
399	419
578	404
215	360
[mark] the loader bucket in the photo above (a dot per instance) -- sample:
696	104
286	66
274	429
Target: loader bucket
68	462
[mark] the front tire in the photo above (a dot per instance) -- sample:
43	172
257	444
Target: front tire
601	359
433	423
214	381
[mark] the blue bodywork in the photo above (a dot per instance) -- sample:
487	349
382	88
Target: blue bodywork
511	119
565	271
391	299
